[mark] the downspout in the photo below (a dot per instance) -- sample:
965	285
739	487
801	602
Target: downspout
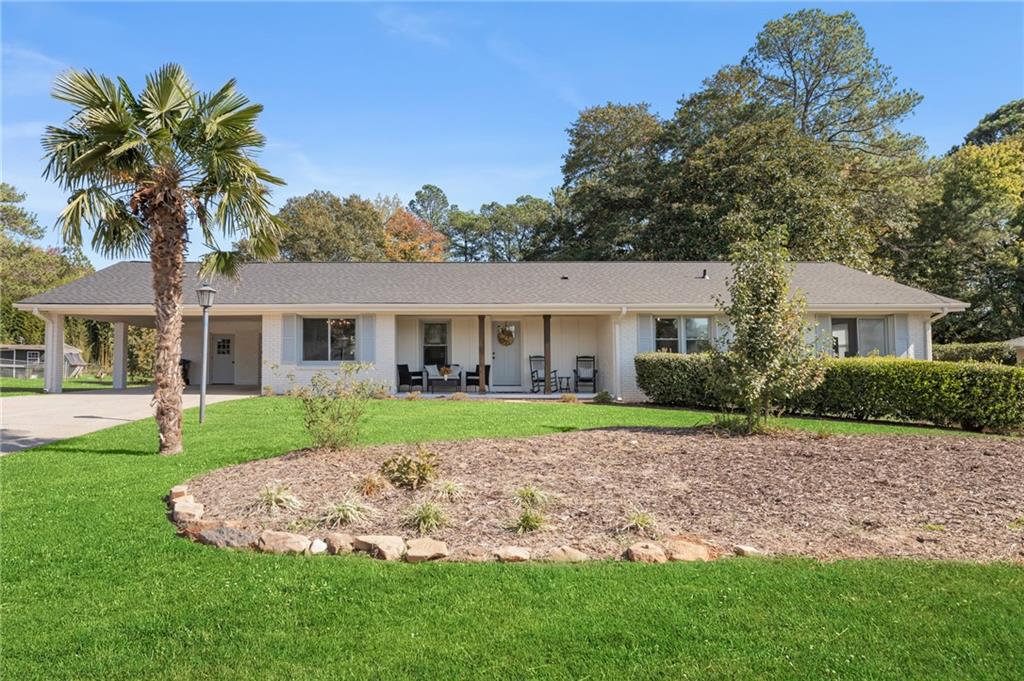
617	351
931	320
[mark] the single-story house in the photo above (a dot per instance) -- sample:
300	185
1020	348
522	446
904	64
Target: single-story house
28	361
279	323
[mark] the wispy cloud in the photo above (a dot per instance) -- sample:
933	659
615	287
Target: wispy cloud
546	75
28	72
418	26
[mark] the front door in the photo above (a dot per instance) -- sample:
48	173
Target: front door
506	356
222	359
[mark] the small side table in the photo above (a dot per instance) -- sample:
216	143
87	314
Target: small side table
564	384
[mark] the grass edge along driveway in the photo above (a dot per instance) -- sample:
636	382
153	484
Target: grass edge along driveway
96	585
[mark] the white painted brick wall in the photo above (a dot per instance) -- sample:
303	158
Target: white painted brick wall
282	377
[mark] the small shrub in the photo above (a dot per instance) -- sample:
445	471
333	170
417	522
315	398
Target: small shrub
333	406
414	395
371	485
459	397
448	491
349	510
410	471
603	397
1016	524
639	520
569	398
532	498
425	517
275	497
268	391
529	520
993	353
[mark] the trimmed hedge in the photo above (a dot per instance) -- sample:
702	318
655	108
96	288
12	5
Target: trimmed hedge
995	353
973	396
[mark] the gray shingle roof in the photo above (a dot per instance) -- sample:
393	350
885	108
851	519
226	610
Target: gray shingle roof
547	283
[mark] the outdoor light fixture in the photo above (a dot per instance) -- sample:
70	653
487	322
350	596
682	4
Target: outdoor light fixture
205	293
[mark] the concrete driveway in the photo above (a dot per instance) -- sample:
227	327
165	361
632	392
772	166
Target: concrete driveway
32	420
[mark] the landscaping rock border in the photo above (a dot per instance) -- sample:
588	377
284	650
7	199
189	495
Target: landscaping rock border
235	534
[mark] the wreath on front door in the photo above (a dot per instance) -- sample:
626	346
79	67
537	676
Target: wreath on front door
506	336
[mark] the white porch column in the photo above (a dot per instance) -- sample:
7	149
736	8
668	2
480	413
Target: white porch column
385	354
53	360
120	355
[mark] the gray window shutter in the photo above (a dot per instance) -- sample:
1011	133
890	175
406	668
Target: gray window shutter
289	338
366	345
644	333
901	335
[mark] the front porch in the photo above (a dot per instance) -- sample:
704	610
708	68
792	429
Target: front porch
526	356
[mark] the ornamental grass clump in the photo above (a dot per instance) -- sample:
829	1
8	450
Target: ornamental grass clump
640	521
532	502
276	497
449	491
425	517
349	510
334	405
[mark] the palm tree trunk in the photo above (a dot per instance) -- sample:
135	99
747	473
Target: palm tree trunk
167	257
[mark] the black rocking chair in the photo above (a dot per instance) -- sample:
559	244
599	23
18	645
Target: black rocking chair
585	372
473	377
413	379
537	375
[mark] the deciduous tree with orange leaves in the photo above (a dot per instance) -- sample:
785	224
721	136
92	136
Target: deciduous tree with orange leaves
408	238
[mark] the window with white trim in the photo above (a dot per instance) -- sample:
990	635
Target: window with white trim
666	334
435	343
695	337
328	339
32	357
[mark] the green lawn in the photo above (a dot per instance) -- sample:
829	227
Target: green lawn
14	387
96	586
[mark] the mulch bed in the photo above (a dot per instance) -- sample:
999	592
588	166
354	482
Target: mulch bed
794	494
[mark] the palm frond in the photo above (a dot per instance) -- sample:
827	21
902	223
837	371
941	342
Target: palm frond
115	230
86	90
167	97
223	263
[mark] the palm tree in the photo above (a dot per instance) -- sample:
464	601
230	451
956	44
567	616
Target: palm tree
140	168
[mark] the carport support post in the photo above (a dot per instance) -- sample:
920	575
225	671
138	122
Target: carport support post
547	354
482	354
120	356
53	368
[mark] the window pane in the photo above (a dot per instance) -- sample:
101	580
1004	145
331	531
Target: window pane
343	340
435	354
435	334
697	345
314	340
666	327
698	327
872	336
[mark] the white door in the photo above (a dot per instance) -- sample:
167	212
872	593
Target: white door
506	357
222	359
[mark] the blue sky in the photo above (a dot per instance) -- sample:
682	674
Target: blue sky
380	99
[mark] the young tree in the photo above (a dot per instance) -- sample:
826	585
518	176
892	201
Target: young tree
769	360
139	167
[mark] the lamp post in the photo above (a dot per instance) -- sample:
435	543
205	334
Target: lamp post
205	294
